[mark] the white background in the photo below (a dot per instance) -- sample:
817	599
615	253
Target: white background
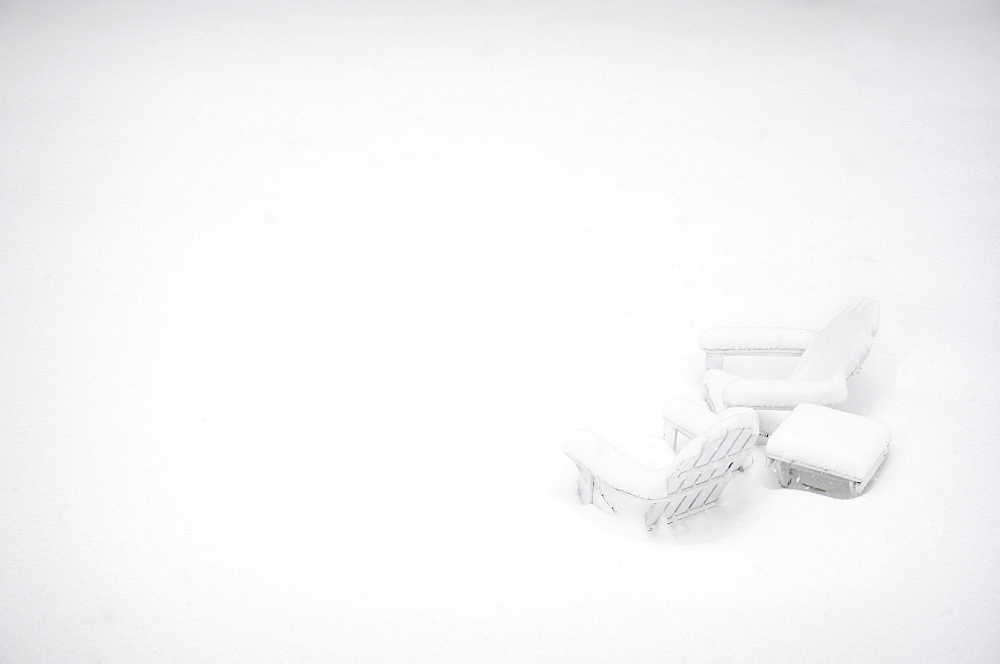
298	302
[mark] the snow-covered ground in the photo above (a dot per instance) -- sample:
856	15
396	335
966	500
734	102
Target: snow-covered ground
298	302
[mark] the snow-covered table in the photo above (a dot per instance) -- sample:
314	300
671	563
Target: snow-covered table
828	450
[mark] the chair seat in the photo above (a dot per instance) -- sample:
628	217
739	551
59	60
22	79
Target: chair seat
715	383
689	418
651	451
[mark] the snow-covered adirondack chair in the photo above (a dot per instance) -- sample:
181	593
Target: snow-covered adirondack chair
675	483
828	358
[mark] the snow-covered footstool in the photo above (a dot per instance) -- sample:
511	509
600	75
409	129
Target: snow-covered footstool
828	450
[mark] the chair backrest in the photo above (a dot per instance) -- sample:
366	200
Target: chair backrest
706	464
840	348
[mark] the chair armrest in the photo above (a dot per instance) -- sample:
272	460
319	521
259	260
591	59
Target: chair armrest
612	466
783	394
687	417
737	340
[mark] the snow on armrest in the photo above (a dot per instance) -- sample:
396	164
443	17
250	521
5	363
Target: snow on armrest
687	417
755	339
783	394
609	464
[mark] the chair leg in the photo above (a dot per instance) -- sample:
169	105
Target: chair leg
599	488
784	473
708	399
586	486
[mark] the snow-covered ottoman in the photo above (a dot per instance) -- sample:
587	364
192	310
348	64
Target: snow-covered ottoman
828	450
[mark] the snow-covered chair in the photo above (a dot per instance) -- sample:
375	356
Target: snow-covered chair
828	358
675	484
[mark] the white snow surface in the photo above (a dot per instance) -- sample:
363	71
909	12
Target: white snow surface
844	444
298	302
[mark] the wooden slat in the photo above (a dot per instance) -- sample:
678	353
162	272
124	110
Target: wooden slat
671	509
654	513
717	491
699	498
725	445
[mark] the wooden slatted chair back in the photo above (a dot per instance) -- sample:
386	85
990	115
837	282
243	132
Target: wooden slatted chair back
705	466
